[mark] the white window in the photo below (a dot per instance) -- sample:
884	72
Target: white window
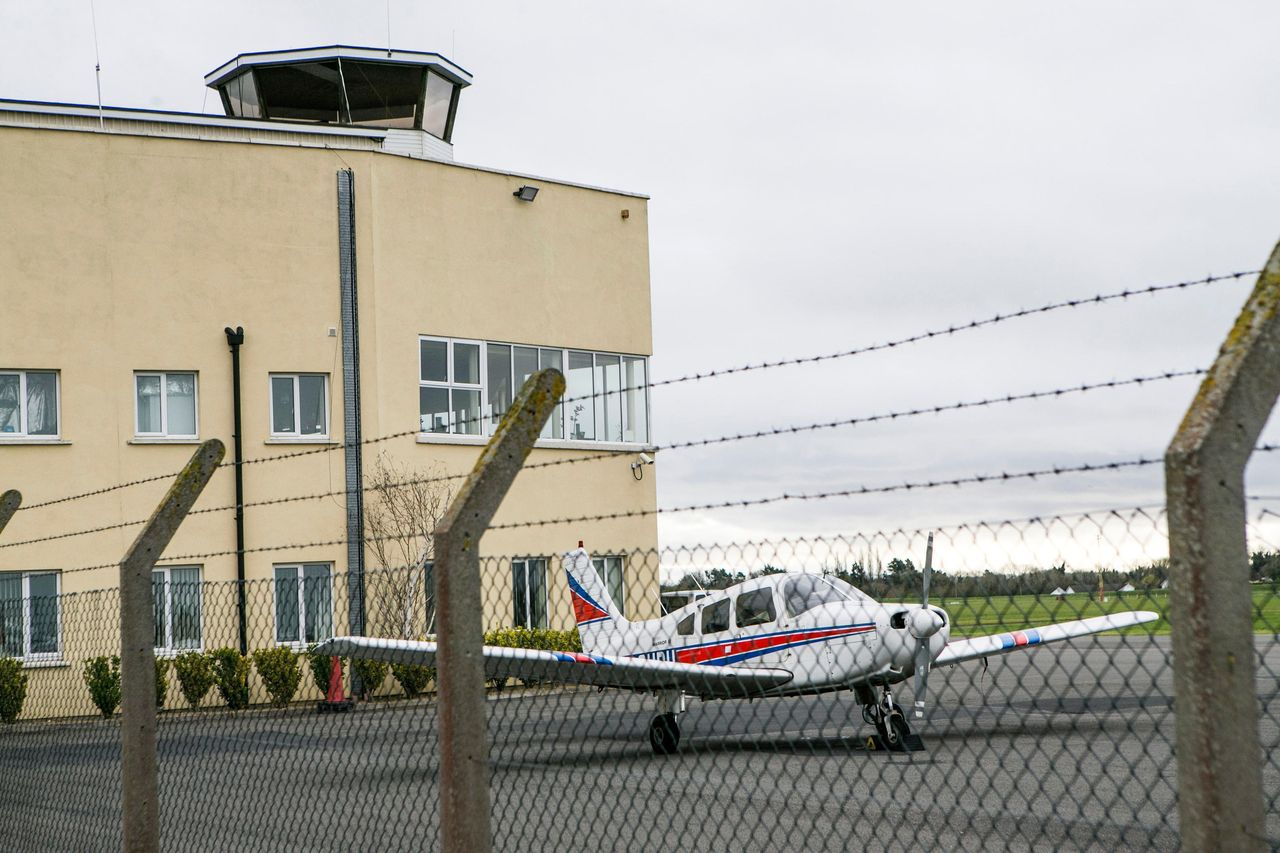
610	571
300	405
465	387
30	618
29	404
449	386
166	404
529	592
175	594
304	603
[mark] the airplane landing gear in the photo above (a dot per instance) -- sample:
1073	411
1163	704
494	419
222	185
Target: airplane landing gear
887	717
664	731
664	734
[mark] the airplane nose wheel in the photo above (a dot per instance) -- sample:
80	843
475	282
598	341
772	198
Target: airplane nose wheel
889	721
664	734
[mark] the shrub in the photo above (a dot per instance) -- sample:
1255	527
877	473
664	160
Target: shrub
231	675
102	675
319	666
278	668
371	674
13	689
195	676
412	677
544	639
162	681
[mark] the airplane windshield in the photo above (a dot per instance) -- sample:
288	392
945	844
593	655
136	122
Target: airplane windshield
805	592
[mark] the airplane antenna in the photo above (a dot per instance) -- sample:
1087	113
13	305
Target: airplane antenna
97	64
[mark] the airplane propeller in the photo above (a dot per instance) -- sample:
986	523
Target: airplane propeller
924	623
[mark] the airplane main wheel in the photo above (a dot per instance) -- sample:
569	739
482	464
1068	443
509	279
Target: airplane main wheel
664	734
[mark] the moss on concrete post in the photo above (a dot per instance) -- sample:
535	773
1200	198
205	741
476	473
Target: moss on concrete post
1220	803
139	788
464	749
9	503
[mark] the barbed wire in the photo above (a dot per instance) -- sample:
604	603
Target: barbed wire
991	525
1057	470
887	416
765	365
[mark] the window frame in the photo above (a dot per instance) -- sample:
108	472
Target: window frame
622	578
528	600
489	420
169	649
24	433
164	404
297	434
299	578
27	656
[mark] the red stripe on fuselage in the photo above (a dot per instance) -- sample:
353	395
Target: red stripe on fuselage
746	645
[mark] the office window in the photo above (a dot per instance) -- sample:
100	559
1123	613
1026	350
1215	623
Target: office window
465	387
449	386
304	603
175	596
529	592
28	403
610	571
30	619
166	404
300	405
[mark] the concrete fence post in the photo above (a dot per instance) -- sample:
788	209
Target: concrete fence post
464	749
9	503
138	768
1220	802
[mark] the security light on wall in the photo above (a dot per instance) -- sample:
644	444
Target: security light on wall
526	193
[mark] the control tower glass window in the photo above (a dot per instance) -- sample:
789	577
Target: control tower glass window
383	95
435	110
308	91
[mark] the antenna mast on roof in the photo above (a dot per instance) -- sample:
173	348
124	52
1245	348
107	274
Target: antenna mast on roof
97	64
388	29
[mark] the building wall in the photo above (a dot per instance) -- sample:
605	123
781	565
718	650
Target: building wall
120	254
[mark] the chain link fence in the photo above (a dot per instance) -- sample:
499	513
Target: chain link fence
1068	746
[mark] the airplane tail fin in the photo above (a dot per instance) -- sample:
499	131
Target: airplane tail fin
599	618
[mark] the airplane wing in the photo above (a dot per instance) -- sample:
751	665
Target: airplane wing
998	644
576	668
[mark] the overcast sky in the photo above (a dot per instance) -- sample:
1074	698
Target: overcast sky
829	175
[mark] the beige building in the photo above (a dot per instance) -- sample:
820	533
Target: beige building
389	297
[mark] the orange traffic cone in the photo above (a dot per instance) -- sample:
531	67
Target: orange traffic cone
334	701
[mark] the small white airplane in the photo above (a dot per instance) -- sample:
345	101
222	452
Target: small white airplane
777	635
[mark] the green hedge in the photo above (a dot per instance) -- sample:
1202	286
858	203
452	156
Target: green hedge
102	675
278	669
195	676
231	675
13	689
544	639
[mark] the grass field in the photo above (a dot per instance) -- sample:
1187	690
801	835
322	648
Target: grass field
979	615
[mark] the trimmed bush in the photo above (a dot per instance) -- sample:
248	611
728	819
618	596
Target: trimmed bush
13	689
412	677
195	676
102	675
162	681
278	669
544	639
231	676
319	666
371	674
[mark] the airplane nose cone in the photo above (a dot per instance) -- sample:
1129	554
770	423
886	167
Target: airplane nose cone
924	623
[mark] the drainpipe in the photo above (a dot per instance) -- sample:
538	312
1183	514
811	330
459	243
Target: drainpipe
235	337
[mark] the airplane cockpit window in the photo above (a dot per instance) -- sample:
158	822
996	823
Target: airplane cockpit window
715	617
805	592
685	626
755	607
849	590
